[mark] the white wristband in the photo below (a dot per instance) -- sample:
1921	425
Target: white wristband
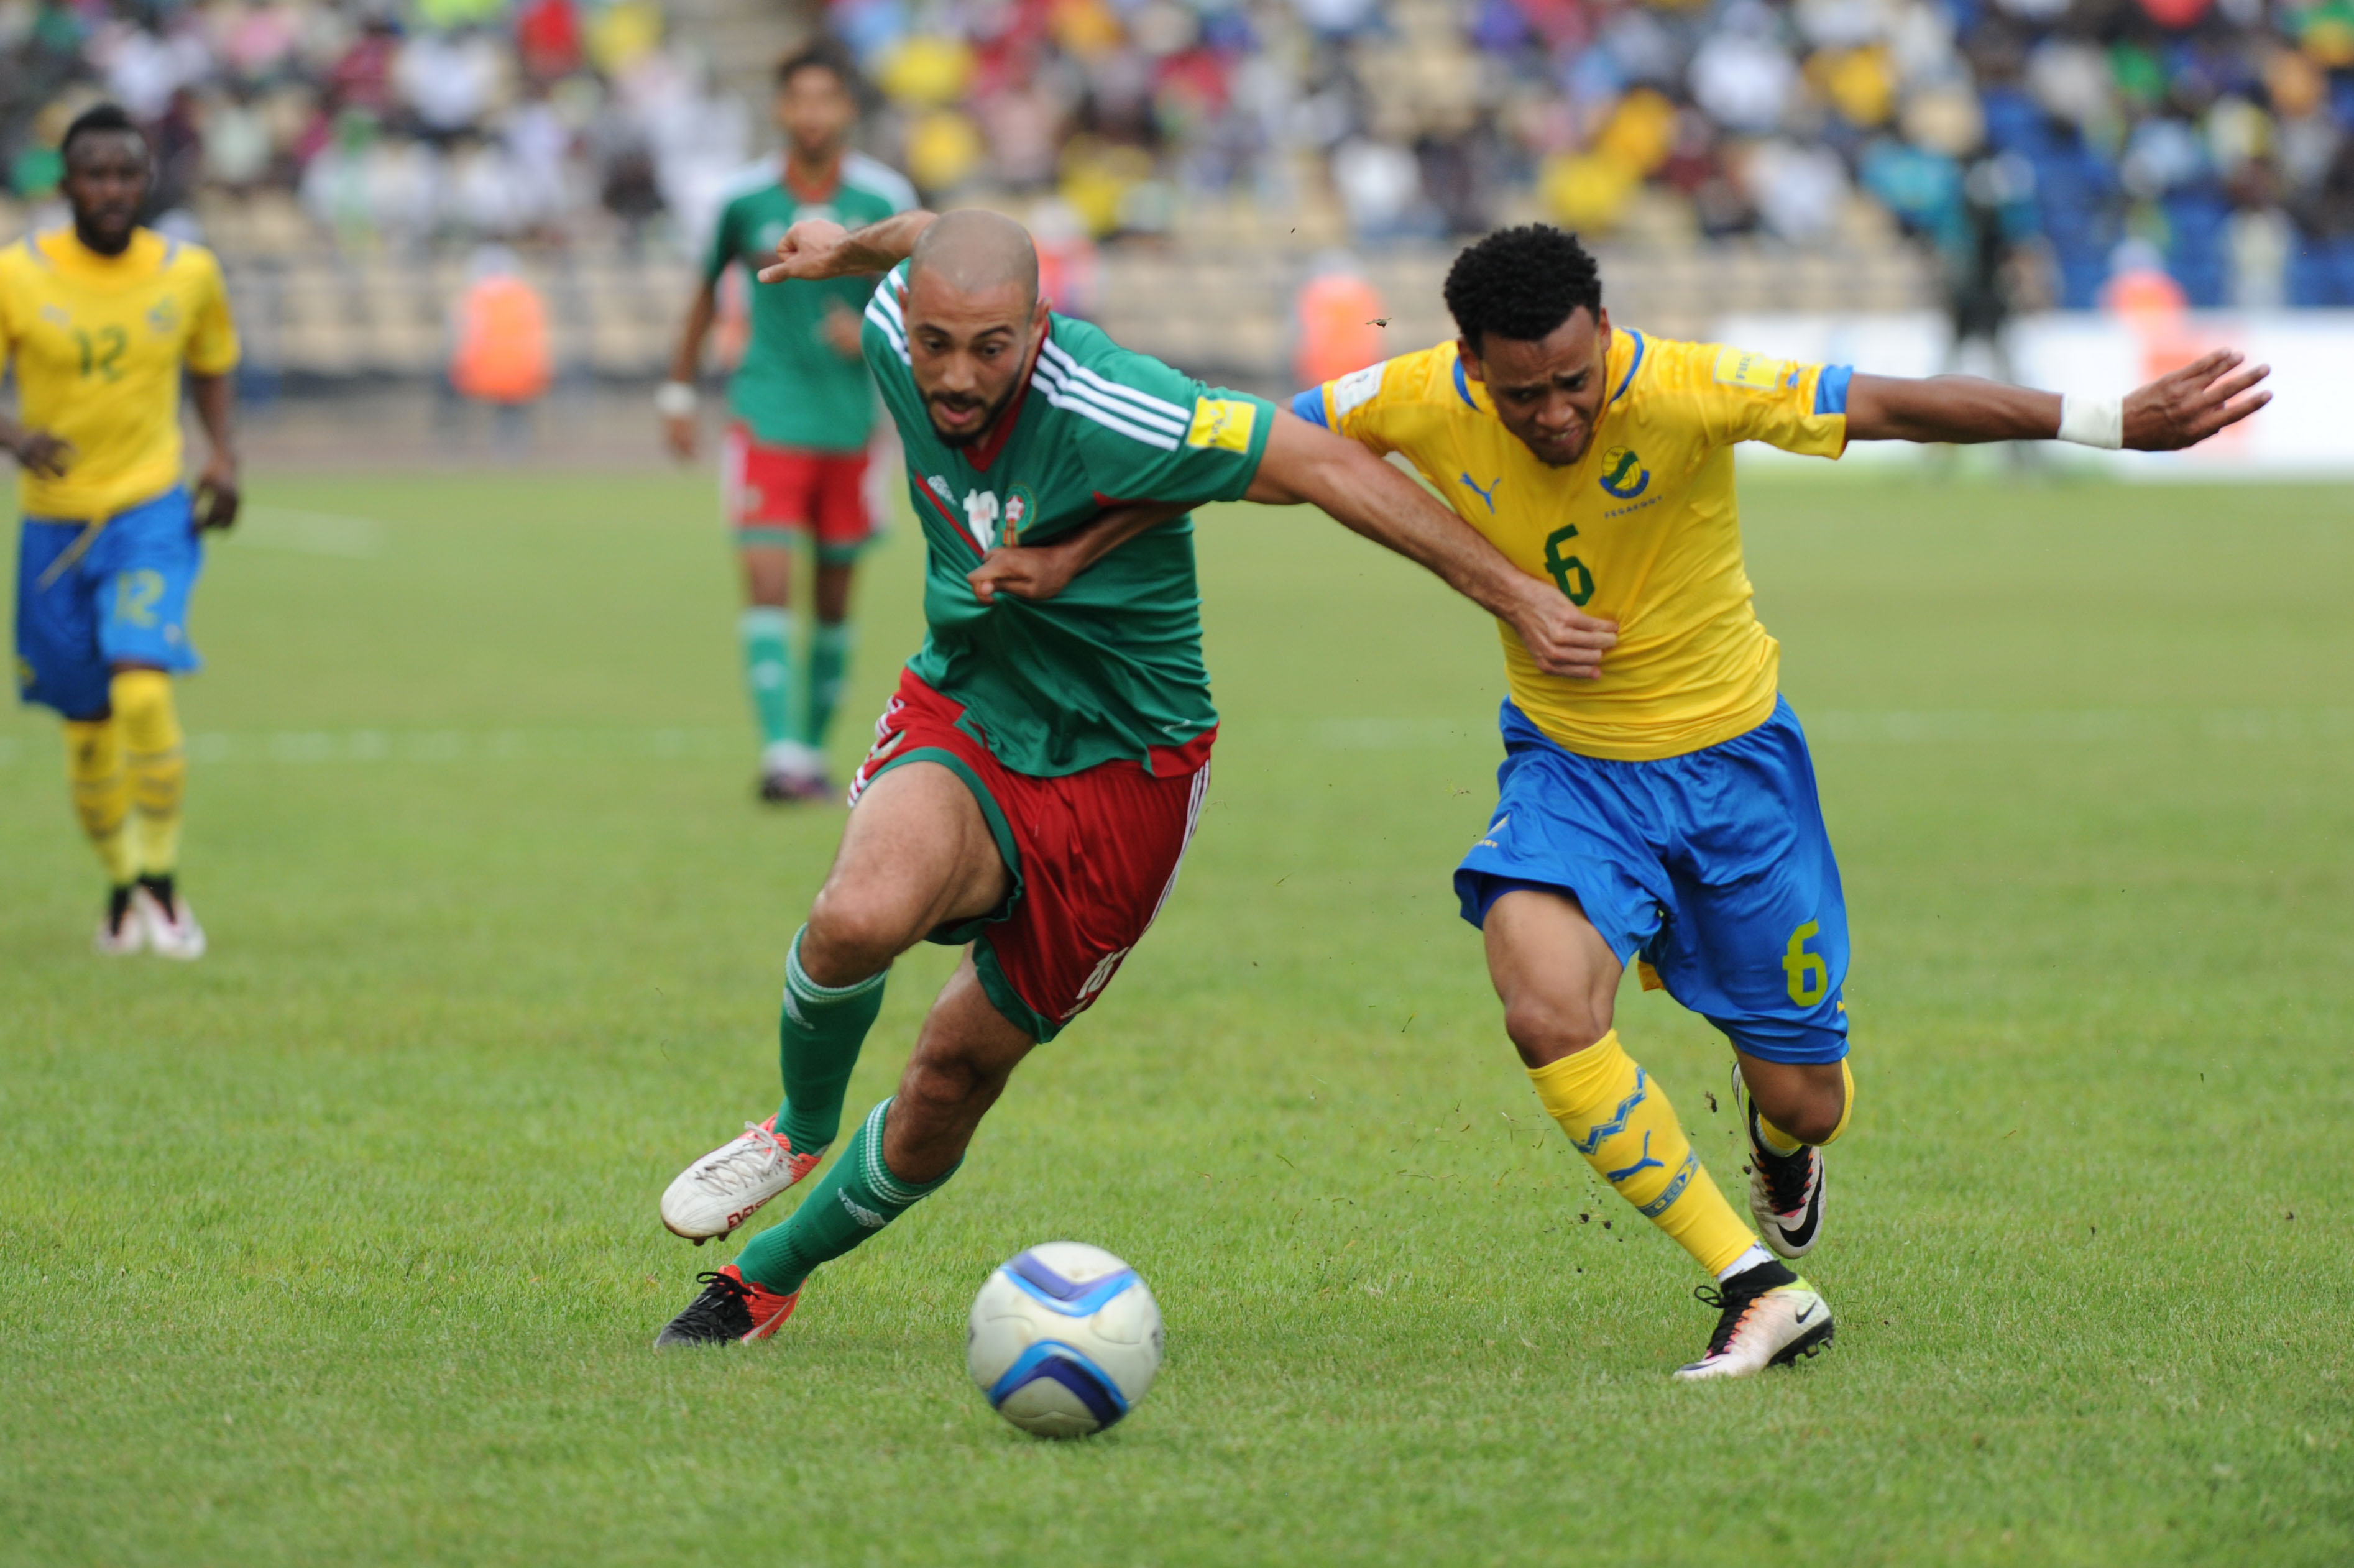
675	399
2093	421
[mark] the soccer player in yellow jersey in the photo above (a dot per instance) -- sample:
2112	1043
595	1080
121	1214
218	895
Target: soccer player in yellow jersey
1657	801
1662	810
100	321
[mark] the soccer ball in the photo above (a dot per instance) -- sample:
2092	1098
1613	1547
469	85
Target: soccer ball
1064	1340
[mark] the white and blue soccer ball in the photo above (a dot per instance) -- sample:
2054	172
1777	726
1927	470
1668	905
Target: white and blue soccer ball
1064	1340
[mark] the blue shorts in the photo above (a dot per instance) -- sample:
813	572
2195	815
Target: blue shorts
120	596
1713	868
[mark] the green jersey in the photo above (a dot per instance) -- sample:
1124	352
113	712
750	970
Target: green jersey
1111	667
794	387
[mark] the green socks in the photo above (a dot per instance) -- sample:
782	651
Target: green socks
856	1198
766	634
828	663
793	706
818	1036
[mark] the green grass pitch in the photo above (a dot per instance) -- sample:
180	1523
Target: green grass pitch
340	1246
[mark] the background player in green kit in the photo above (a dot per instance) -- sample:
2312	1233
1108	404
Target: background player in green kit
800	412
1033	785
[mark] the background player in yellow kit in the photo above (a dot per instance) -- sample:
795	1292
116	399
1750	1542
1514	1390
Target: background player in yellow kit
99	320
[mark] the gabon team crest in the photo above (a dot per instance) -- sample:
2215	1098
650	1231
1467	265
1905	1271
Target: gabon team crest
1623	473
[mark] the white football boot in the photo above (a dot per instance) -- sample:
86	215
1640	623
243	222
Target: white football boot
172	928
1786	1191
121	932
1766	1316
728	1185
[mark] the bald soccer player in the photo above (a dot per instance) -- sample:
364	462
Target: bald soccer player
1033	785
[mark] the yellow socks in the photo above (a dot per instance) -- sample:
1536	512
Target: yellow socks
1781	1142
156	762
1618	1118
101	794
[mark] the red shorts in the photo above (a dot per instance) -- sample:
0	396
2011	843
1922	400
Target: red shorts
776	495
1093	855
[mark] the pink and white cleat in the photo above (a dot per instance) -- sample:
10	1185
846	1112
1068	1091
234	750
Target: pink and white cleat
171	925
1766	1316
121	932
728	1185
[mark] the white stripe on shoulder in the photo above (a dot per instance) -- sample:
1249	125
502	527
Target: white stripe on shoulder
1125	400
1058	396
1144	402
891	332
873	174
1077	394
886	297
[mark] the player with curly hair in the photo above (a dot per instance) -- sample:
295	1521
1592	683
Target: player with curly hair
1660	809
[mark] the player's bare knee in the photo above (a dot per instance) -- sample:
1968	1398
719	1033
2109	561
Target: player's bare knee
1545	1028
945	1081
1809	1112
853	933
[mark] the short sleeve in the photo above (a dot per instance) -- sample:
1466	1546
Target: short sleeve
212	335
1747	396
1352	405
721	249
1147	432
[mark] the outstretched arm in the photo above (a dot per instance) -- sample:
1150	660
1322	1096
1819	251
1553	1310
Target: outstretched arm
817	247
2179	409
1367	496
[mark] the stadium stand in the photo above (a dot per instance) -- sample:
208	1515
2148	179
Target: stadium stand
347	158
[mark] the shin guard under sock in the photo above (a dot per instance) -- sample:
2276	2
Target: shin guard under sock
856	1198
1618	1118
766	634
819	1034
157	763
101	794
828	667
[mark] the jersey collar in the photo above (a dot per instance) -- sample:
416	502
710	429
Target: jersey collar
1627	350
809	196
65	254
1618	368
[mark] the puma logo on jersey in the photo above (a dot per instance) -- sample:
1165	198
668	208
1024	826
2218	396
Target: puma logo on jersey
1489	495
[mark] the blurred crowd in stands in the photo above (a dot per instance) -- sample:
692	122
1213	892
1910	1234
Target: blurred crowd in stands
2057	142
444	120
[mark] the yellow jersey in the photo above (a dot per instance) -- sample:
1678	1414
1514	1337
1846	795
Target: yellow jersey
1644	530
98	342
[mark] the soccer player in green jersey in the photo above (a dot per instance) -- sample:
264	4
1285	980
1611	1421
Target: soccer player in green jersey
1033	785
801	407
